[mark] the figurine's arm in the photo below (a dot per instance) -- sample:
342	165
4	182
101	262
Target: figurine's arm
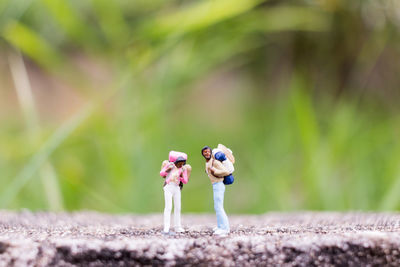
184	177
219	169
186	173
165	167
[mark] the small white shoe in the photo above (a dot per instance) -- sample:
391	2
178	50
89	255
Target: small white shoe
179	230
221	232
215	228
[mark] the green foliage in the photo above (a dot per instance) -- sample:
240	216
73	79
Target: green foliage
31	44
302	91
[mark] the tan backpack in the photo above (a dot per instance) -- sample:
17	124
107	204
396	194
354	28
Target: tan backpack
228	153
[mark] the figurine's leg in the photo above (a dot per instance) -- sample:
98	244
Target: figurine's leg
222	218
167	209
225	220
216	204
177	208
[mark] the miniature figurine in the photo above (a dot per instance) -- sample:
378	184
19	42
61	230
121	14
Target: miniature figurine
216	171
176	173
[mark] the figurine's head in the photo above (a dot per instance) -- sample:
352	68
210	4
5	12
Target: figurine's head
206	152
179	162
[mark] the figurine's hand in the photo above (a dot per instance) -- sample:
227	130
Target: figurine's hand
212	172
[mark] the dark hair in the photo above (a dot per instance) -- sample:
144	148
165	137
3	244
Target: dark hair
180	159
204	148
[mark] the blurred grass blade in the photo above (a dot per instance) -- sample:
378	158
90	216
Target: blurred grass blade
305	117
24	91
111	20
198	16
287	18
391	200
42	155
12	10
31	44
103	200
27	103
70	21
51	187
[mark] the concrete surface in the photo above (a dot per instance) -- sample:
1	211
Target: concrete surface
288	239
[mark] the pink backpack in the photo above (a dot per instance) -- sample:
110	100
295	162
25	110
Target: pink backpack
173	155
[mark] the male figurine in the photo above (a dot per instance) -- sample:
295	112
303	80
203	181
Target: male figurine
216	172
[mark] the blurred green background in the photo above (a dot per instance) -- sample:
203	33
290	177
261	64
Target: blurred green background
95	93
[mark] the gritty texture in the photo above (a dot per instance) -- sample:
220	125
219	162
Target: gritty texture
288	239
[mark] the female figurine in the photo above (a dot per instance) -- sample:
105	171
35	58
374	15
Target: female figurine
176	173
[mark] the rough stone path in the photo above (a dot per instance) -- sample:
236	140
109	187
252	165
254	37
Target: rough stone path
288	239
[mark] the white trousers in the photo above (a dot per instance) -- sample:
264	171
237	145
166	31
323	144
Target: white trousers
172	190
